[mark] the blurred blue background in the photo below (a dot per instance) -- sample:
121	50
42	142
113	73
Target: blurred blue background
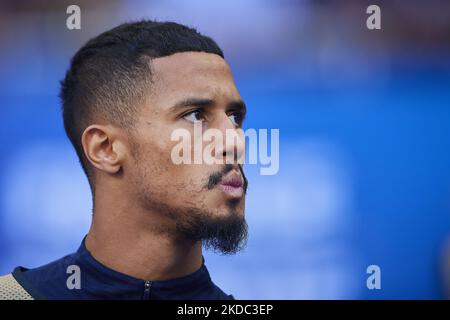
364	119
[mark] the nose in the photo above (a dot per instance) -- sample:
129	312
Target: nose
232	147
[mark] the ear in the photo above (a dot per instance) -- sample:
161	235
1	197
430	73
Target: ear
103	147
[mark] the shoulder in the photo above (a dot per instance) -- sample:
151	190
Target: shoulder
37	283
47	281
219	294
10	289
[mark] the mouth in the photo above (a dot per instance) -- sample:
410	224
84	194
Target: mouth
232	185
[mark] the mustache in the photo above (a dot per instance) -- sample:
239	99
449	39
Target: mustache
215	178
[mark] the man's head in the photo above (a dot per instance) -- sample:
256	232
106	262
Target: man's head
125	93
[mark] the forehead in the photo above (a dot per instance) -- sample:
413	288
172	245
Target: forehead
198	74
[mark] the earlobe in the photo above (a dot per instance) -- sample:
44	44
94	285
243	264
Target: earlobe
99	147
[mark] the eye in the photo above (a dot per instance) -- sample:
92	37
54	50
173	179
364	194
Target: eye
194	116
236	118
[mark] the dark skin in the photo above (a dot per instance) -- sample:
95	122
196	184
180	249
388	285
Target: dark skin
140	194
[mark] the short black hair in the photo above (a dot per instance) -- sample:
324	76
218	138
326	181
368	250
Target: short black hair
111	74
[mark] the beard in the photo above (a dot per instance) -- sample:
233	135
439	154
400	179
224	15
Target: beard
225	233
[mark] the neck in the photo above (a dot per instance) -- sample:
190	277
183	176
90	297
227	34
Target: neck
132	241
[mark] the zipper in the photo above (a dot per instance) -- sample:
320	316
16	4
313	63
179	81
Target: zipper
147	287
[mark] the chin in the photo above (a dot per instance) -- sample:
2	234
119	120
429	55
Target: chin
227	212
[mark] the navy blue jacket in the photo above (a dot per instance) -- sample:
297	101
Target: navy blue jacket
99	282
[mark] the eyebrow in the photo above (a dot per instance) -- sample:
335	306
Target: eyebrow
205	102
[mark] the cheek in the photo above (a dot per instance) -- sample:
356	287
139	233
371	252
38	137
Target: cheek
161	149
155	147
156	171
156	174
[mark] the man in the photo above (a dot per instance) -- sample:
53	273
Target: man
125	93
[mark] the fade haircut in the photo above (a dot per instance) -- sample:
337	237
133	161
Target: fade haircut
110	76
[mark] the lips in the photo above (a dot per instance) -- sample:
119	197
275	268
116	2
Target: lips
233	181
233	185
